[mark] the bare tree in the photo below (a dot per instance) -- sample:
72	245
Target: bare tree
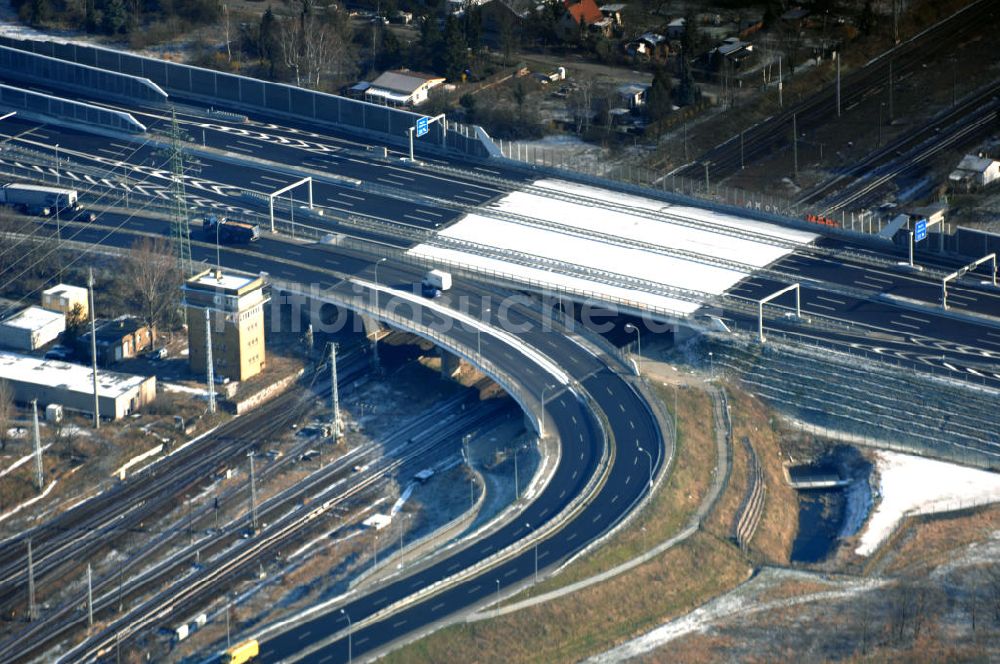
7	412
153	281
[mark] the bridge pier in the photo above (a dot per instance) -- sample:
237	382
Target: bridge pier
450	363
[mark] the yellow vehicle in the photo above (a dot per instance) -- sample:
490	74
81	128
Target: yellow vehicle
241	653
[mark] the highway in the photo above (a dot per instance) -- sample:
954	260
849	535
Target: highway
406	201
630	421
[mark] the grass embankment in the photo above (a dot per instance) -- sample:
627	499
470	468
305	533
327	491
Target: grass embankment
929	541
779	523
597	617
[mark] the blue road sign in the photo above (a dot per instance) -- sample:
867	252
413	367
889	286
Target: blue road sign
920	230
422	126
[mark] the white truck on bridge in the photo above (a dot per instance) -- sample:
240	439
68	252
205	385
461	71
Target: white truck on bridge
435	282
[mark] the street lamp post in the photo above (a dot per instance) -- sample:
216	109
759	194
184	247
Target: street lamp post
711	365
218	253
498	598
650	457
375	357
350	654
629	327
58	178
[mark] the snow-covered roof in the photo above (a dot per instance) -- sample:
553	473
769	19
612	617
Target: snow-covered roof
632	89
33	318
588	236
70	292
65	376
651	38
233	282
971	162
403	81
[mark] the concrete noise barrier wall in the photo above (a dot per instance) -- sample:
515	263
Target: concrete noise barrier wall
31	67
246	93
46	107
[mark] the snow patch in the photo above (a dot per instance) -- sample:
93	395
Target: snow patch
915	485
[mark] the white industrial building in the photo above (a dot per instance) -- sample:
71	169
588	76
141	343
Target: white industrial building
72	386
63	297
31	328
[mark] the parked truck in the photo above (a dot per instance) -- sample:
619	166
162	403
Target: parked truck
435	282
39	200
229	232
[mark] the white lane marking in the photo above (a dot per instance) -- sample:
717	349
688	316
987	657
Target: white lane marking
410	216
466	198
902	324
823	306
346	195
909	317
423	211
830	299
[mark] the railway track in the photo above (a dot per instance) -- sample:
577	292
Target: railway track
975	115
327	489
69	539
773	134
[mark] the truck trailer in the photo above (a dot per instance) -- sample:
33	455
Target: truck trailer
241	653
229	232
39	200
435	282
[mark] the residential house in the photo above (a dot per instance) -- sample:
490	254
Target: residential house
615	12
401	87
975	171
675	29
732	50
117	340
500	15
632	95
649	45
583	14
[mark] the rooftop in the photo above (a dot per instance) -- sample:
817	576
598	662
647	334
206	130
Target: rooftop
585	11
113	330
629	89
971	162
226	282
403	80
66	289
33	318
65	376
